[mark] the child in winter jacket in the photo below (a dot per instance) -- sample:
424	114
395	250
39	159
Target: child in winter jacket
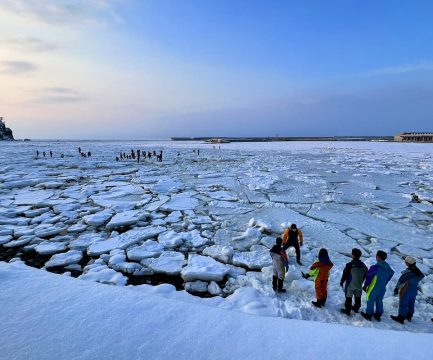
375	286
320	272
407	289
280	264
353	275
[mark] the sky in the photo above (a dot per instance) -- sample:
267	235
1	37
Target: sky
153	69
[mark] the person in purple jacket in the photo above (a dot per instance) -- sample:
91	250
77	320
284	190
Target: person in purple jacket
375	286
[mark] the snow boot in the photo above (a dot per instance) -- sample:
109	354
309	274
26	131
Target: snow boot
347	305
274	282
323	301
317	303
280	286
399	319
377	317
357	305
366	316
409	318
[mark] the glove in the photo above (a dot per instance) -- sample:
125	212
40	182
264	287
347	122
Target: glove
395	292
364	288
341	284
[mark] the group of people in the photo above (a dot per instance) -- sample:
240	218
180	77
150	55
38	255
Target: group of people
83	153
45	154
137	154
355	279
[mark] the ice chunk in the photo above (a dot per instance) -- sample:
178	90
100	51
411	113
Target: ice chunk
214	289
169	262
149	249
182	201
126	218
222	253
124	240
196	286
250	237
50	247
252	259
64	259
105	275
170	239
99	218
203	268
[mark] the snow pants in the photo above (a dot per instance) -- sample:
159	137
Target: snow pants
278	269
295	244
321	287
375	298
406	307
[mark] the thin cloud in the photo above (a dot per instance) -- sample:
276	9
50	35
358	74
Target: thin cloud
59	12
59	95
30	44
400	69
17	67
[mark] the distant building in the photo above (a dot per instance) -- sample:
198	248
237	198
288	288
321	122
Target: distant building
414	137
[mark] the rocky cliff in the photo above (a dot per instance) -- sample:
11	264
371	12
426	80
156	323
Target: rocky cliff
5	133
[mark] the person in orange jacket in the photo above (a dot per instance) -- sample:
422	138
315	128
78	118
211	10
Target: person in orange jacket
320	272
293	237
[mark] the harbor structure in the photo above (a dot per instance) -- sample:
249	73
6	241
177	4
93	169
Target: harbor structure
414	137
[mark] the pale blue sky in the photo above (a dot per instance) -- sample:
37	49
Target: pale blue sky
160	68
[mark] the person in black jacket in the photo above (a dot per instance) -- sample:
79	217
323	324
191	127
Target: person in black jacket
353	275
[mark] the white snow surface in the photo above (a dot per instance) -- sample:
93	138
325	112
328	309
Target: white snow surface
56	317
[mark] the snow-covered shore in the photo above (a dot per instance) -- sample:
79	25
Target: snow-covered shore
48	316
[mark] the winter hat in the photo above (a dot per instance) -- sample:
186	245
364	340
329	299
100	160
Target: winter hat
410	260
293	226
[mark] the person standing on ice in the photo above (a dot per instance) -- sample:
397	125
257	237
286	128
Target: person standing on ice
375	286
320	272
407	289
280	265
353	275
293	237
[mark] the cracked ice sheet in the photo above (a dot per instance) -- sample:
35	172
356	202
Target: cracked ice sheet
354	217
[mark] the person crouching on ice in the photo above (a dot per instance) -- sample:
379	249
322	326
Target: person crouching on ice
407	288
280	264
320	272
375	286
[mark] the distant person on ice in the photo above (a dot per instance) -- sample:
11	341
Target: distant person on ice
407	289
280	265
320	272
375	286
353	275
293	237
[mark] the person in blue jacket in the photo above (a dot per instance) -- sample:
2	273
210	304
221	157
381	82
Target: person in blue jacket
407	289
375	286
